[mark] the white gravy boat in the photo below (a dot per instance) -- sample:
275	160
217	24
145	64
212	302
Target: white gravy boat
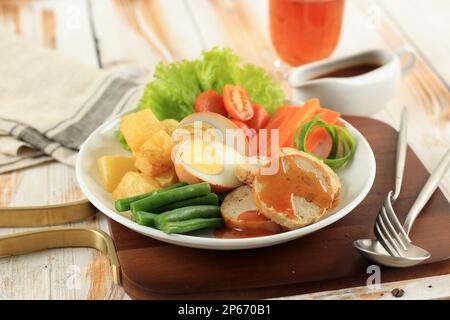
362	94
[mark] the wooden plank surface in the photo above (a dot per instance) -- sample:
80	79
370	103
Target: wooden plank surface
61	273
132	36
322	260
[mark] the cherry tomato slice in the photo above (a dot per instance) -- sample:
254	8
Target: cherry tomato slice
237	102
260	117
242	125
210	101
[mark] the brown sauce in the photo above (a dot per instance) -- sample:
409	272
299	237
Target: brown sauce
240	234
277	189
351	71
252	216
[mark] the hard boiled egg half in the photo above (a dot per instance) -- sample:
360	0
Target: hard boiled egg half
213	162
210	126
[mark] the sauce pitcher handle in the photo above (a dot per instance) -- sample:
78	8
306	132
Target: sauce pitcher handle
407	54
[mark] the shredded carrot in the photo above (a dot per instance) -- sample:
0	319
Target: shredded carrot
282	113
328	115
276	122
287	119
304	113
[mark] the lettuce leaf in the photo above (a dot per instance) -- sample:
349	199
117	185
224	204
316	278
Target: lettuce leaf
176	85
122	140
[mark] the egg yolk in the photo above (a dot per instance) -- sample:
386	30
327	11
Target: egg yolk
202	157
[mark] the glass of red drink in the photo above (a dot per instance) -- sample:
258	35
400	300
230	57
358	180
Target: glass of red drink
303	31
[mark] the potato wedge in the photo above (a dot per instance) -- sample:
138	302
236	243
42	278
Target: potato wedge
170	125
113	168
167	178
154	156
138	127
134	183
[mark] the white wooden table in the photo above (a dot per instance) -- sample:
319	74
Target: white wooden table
136	34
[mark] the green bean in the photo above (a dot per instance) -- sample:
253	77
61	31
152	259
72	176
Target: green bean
221	197
187	213
124	204
191	225
209	199
145	218
164	198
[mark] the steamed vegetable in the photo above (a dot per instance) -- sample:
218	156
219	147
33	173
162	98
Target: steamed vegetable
221	197
187	213
209	199
286	120
164	198
145	218
124	204
291	125
192	225
182	220
113	168
343	143
177	85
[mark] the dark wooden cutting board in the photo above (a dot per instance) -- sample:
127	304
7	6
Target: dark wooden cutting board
320	261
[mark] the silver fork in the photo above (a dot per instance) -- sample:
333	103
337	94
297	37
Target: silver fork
388	229
394	237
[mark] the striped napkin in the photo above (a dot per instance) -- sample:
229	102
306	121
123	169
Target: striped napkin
49	104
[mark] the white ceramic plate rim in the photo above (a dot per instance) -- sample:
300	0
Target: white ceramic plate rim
225	244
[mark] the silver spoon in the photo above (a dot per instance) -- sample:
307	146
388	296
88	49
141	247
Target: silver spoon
374	251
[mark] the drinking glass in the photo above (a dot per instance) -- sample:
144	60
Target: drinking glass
303	31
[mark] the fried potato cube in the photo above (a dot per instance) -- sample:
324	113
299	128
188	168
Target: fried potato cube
113	168
170	125
154	156
133	184
138	127
167	178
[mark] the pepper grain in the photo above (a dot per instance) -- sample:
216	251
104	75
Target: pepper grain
398	293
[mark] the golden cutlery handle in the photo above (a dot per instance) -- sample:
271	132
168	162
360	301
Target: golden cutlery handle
32	241
37	216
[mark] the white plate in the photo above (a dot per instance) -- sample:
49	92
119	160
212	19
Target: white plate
357	179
